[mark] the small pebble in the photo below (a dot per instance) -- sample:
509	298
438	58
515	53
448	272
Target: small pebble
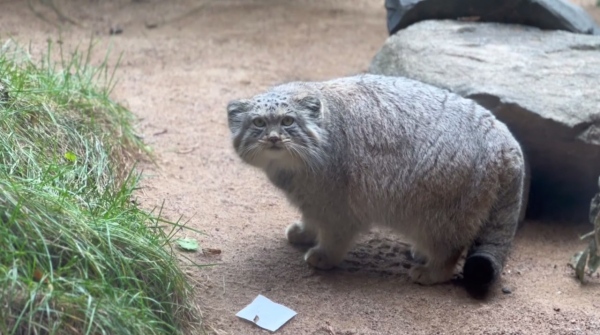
506	290
115	30
556	309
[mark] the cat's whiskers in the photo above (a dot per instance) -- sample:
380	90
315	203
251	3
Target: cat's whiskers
250	151
305	154
297	155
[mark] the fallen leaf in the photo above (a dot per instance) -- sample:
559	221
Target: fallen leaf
593	248
594	261
580	267
188	244
38	275
211	251
70	156
575	259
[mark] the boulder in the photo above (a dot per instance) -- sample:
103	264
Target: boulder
545	85
543	14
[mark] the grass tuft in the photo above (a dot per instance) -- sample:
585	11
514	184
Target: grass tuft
590	257
77	256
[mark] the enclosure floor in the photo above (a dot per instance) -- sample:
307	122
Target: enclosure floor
178	77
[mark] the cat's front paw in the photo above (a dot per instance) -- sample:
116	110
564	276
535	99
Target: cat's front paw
297	233
424	275
319	259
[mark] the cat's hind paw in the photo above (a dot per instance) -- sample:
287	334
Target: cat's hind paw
317	258
424	275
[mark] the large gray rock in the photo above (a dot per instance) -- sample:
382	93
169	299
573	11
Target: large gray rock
544	14
545	85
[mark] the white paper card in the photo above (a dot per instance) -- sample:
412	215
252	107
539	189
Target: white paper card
266	314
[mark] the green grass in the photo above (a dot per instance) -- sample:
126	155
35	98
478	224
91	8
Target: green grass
589	257
77	256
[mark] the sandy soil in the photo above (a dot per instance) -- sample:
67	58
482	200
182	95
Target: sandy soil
178	76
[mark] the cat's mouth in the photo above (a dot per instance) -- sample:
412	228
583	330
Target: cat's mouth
275	146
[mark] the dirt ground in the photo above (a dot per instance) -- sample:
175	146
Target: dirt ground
183	60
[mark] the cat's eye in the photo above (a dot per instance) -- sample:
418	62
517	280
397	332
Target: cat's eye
287	121
259	122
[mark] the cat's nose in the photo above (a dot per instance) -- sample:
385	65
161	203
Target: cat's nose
274	139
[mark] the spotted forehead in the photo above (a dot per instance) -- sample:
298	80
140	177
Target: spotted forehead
271	102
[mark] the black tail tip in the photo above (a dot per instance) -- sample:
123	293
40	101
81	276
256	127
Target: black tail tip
479	273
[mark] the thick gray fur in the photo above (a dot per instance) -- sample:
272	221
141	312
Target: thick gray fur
376	150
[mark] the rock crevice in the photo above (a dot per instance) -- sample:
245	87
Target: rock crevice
543	14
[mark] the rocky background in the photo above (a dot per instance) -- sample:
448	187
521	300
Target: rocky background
535	64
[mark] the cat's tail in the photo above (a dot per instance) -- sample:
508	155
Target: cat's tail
487	255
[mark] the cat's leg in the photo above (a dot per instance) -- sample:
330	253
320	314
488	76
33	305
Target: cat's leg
439	268
302	232
334	242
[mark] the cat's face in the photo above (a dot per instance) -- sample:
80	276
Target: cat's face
276	131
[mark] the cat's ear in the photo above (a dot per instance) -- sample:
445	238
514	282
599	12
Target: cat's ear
235	111
310	103
235	107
